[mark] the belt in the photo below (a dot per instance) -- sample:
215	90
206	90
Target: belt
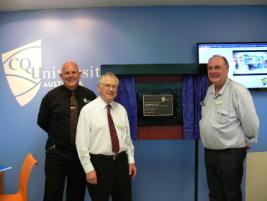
225	150
109	157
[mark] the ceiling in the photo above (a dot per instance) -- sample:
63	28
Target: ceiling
18	5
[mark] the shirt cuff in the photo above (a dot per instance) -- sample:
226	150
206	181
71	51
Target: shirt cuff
131	159
251	140
88	168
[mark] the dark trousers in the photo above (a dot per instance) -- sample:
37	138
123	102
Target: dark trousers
57	171
113	179
224	169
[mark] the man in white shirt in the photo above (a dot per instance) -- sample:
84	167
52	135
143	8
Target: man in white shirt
108	172
228	125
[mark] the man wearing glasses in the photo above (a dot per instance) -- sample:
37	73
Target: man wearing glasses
229	124
104	144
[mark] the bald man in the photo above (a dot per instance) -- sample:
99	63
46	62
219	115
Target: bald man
62	164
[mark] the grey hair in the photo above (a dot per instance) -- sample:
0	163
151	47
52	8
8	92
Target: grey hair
108	74
222	57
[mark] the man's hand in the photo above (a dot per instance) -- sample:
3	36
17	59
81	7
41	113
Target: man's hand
248	146
91	177
132	170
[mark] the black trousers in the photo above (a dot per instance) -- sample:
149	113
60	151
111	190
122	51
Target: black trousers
113	178
60	170
224	170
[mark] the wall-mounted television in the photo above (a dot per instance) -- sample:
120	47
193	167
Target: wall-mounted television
247	61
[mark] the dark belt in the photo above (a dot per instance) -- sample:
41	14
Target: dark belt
109	157
225	150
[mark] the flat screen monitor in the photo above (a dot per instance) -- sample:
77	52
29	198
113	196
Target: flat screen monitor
247	61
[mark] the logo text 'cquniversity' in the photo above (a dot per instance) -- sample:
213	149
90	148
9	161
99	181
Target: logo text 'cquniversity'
22	69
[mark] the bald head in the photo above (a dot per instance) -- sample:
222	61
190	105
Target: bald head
70	75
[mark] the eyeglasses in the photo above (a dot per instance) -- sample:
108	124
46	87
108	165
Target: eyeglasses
215	68
110	86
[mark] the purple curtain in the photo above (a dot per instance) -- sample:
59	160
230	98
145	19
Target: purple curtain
193	92
127	97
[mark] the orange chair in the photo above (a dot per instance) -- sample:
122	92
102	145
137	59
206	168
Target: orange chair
25	172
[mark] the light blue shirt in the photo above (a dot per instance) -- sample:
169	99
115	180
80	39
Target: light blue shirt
93	132
228	119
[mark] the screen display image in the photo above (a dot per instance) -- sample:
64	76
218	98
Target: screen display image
247	61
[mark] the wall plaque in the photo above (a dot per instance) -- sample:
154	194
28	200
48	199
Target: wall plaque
158	105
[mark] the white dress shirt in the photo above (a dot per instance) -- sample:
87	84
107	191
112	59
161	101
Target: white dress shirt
93	134
229	119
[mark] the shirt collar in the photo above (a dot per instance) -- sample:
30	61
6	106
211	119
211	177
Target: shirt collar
225	85
104	103
67	91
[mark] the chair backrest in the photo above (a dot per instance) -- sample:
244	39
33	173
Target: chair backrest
25	172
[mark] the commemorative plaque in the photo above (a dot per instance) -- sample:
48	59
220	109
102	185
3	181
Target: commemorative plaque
157	105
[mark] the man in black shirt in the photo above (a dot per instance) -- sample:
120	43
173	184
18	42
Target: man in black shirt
61	156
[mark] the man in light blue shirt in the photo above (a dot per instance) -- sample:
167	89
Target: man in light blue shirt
229	124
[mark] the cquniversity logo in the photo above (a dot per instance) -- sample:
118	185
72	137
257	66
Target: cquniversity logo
22	69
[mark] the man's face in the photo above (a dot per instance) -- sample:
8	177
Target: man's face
70	75
108	89
217	71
